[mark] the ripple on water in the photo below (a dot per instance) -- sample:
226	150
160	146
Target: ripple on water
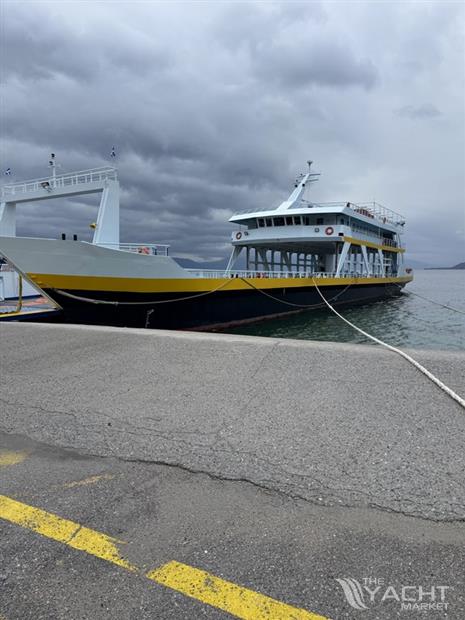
406	321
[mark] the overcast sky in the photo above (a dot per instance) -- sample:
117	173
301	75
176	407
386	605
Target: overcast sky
215	107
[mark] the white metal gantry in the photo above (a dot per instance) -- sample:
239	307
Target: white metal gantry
97	180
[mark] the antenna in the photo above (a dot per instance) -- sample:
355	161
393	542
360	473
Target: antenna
309	162
52	163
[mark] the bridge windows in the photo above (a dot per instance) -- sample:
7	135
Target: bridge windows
278	221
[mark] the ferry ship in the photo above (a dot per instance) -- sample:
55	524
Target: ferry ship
351	253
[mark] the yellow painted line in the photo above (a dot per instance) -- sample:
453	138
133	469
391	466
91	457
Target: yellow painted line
370	244
225	595
86	481
62	530
8	457
191	285
26	313
193	582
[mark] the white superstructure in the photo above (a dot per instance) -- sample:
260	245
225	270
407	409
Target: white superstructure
337	238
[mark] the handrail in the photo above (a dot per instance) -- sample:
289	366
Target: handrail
92	175
374	210
150	249
244	273
19	305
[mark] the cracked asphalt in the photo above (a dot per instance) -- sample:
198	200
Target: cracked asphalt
278	465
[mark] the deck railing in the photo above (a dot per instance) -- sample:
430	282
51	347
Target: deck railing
372	210
360	233
218	273
151	249
94	175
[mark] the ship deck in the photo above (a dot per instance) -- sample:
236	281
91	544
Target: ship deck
31	308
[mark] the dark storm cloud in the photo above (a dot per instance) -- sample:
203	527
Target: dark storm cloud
426	110
39	43
314	62
214	108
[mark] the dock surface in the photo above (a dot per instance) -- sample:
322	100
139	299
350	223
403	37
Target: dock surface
274	465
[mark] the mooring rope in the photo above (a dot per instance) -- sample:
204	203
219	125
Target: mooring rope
425	371
167	301
433	301
139	303
290	303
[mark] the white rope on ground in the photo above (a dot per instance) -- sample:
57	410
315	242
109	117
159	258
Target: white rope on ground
425	371
434	302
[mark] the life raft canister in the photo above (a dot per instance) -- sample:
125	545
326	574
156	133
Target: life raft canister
238	236
329	230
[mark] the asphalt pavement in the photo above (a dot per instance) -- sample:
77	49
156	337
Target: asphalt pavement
176	475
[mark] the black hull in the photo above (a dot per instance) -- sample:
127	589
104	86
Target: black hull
213	311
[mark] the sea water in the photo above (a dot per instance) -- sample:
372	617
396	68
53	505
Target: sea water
406	321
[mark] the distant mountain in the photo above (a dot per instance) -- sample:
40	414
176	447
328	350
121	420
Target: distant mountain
192	264
222	263
416	264
457	266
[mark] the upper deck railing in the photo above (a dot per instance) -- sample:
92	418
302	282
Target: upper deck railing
371	210
60	181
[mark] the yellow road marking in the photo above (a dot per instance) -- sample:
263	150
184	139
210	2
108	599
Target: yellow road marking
67	532
11	458
193	582
225	595
86	481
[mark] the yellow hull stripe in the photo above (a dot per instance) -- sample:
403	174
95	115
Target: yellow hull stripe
370	244
193	582
190	285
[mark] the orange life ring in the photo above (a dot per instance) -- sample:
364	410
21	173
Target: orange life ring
238	235
329	230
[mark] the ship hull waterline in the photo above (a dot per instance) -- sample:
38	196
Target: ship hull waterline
216	310
80	277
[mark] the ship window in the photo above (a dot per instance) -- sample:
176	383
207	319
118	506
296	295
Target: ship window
261	223
289	221
269	221
279	221
306	220
320	220
297	221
